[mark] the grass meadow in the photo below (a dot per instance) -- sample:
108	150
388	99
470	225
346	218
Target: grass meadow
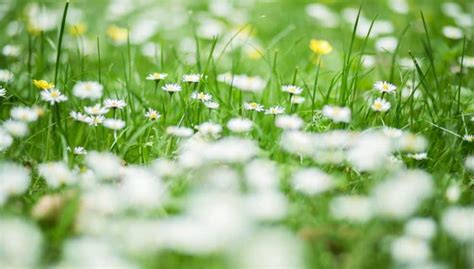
280	134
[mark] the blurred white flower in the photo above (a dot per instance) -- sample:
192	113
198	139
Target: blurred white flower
400	196
97	109
114	124
15	180
239	125
5	140
311	181
25	114
337	114
192	78
20	244
6	76
352	208
15	128
452	32
458	223
179	131
275	110
152	114
289	122
409	250
386	44
88	90
104	164
56	174
421	228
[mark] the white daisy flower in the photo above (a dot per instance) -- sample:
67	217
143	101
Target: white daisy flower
152	114
114	103
468	138
380	105
211	105
337	114
275	110
114	124
452	32
239	125
78	116
88	90
79	151
25	114
253	106
94	120
201	96
171	88
3	92
192	78
156	76
179	131
97	109
292	89
53	96
385	87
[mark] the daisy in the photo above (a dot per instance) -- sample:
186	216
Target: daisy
192	78
201	96
79	151
171	88
43	84
94	120
253	106
179	131
97	109
156	76
380	105
114	124
53	96
3	92
239	125
25	114
337	114
468	138
385	87
88	90
211	105
275	110
78	116
209	129
292	89
114	103
152	114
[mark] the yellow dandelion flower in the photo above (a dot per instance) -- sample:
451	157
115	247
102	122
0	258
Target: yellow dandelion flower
117	34
320	47
43	84
77	29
